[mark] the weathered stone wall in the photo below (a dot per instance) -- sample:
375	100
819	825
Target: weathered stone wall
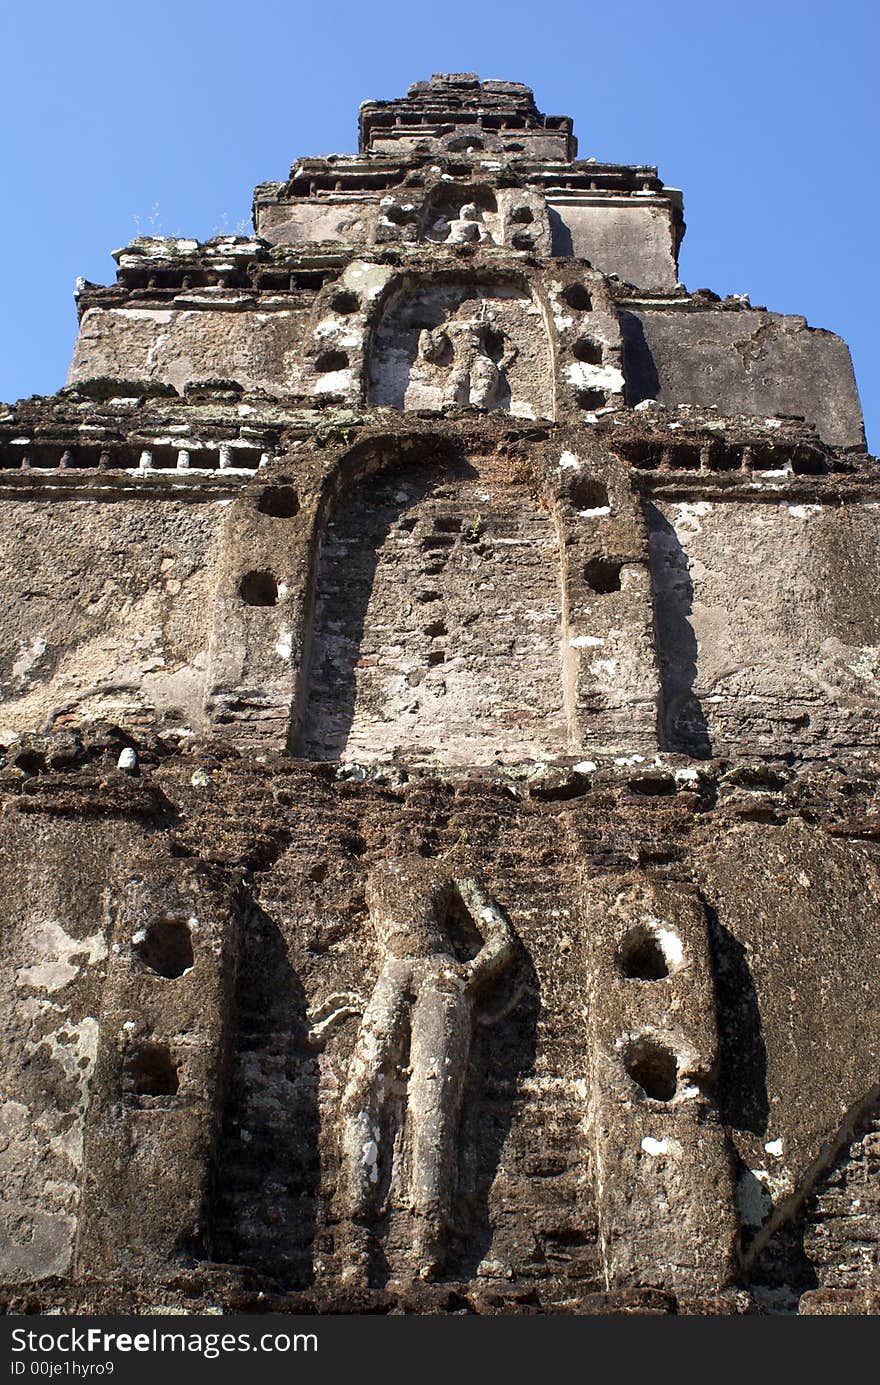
632	238
743	361
351	221
207	1183
106	609
768	638
55	939
176	346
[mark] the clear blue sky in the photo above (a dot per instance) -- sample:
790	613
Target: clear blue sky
118	118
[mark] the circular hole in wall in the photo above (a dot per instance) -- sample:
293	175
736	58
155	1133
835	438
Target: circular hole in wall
462	144
577	297
331	360
30	762
494	344
151	1071
345	302
602	575
588	494
683	458
396	215
640	955
281	502
587	350
590	399
522	216
653	1067
166	947
258	589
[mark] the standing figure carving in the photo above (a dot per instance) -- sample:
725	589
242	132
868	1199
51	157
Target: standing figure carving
413	1045
477	354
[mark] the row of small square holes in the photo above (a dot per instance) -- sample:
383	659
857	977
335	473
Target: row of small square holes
53	456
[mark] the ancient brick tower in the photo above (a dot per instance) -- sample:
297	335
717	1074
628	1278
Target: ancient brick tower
440	703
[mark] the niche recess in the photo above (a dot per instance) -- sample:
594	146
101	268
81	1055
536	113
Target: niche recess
459	344
165	948
645	954
653	1067
151	1071
258	589
437	621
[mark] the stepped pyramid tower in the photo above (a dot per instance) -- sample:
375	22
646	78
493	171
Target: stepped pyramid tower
438	749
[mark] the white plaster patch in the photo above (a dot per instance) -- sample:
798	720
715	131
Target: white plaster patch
156	348
585	641
657	1147
670	944
801	511
599	512
334	382
163	316
368	279
74	1047
608	667
370	1157
686	776
56	948
601	377
774	1147
284	646
569	462
28	657
652	1146
584	767
866	664
154	247
753	1200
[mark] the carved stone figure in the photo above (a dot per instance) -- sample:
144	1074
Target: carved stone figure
462	226
468	226
477	353
414	1042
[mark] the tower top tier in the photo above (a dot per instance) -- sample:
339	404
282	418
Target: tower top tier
456	113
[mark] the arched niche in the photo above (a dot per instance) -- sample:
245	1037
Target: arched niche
455	214
462	343
436	632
